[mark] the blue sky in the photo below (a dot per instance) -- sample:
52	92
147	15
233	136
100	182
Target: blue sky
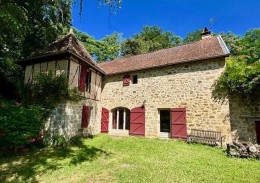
178	16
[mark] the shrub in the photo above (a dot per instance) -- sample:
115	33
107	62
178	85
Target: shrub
60	141
46	90
18	124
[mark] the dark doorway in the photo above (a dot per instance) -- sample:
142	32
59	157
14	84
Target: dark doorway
257	130
165	121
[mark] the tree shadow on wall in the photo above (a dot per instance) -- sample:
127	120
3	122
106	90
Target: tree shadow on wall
26	167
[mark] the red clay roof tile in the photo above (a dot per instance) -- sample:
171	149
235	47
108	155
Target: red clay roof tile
204	49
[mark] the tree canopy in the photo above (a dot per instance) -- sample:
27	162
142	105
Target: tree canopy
26	27
149	39
242	74
106	49
192	36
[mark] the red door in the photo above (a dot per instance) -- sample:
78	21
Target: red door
85	116
104	120
178	123
257	131
137	121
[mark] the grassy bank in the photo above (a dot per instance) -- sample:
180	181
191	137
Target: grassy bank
129	159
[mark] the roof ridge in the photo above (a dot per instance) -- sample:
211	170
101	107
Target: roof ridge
126	57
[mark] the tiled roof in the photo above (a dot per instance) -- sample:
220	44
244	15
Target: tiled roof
207	48
68	43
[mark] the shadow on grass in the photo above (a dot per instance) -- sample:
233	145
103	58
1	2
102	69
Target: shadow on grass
26	167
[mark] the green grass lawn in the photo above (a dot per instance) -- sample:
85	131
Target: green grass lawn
129	159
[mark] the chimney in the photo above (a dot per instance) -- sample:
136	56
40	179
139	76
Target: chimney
205	33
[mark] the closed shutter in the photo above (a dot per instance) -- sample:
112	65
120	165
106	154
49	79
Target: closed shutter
85	116
104	120
137	121
82	79
178	123
126	80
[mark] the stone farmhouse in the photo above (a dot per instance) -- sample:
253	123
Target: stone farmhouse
165	93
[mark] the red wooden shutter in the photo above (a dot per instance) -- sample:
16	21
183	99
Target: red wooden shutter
126	80
85	116
178	123
137	121
82	79
104	120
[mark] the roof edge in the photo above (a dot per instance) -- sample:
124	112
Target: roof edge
223	45
93	65
24	61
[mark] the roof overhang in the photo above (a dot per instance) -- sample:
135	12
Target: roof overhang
57	56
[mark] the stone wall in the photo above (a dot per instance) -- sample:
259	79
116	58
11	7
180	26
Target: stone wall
66	118
186	85
243	117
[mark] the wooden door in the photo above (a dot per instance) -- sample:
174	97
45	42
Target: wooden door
137	121
104	120
178	123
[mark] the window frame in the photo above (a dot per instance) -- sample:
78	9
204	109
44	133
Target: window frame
88	81
135	79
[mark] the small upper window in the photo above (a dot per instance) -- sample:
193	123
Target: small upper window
88	81
126	80
135	79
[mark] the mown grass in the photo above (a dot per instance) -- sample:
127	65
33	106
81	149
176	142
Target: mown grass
129	159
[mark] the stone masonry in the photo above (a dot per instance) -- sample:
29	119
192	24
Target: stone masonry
186	85
66	118
242	118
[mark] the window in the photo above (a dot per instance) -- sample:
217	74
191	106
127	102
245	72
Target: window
135	79
82	79
121	119
88	81
126	80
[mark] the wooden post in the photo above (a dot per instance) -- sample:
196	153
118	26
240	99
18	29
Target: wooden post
124	118
117	120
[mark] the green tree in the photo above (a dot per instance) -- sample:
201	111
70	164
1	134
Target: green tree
192	36
242	74
250	46
108	48
148	40
26	27
92	46
232	42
